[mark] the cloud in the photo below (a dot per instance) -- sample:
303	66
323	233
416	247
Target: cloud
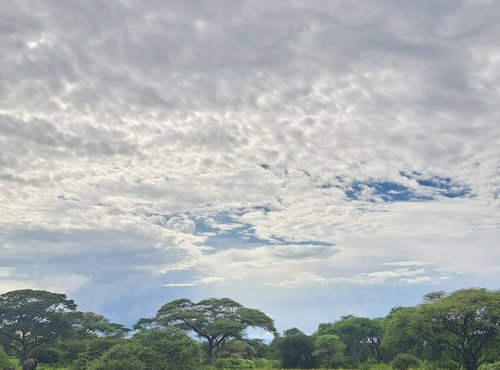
408	263
377	277
304	144
204	280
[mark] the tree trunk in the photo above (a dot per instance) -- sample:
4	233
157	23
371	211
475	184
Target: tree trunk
210	350
23	355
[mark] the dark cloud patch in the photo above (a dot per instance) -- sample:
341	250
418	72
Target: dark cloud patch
82	140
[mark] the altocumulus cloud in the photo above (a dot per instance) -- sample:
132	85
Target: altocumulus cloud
276	153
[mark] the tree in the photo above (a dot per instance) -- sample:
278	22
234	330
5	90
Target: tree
295	349
176	351
470	322
328	350
408	330
215	320
357	333
405	361
31	318
90	324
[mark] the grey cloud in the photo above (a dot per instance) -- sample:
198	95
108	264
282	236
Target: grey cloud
113	111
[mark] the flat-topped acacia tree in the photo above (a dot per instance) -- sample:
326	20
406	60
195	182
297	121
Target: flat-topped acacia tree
215	320
30	318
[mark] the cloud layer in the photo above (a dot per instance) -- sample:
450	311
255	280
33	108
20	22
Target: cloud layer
189	148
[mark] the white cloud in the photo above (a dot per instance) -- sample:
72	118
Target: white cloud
118	138
203	280
408	263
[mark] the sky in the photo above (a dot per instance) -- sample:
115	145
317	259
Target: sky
310	159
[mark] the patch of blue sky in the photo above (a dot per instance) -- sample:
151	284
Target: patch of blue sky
426	188
444	186
383	191
224	230
282	241
243	236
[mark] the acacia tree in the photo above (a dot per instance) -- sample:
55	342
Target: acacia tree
470	322
215	320
91	325
31	318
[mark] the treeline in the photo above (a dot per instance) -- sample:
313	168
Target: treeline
446	331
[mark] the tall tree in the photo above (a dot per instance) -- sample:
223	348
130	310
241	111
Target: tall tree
470	322
357	333
295	349
215	320
31	318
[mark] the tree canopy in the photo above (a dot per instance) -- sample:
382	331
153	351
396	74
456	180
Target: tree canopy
215	320
444	331
31	318
469	321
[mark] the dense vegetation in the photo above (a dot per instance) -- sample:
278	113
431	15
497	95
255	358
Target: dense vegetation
445	331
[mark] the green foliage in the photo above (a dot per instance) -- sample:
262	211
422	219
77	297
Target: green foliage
176	350
237	349
360	335
46	354
469	323
31	318
90	324
4	359
242	363
459	330
127	356
492	366
70	349
262	350
215	320
94	348
163	349
408	330
328	350
405	361
295	349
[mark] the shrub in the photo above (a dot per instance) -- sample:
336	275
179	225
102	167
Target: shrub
46	355
405	361
4	359
493	366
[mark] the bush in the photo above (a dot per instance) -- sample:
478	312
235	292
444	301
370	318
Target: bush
241	363
372	365
127	356
4	359
94	349
405	361
493	366
46	355
162	349
177	351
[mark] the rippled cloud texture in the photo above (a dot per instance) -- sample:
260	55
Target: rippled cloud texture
308	158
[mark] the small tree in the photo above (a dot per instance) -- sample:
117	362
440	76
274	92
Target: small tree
328	350
405	361
31	318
